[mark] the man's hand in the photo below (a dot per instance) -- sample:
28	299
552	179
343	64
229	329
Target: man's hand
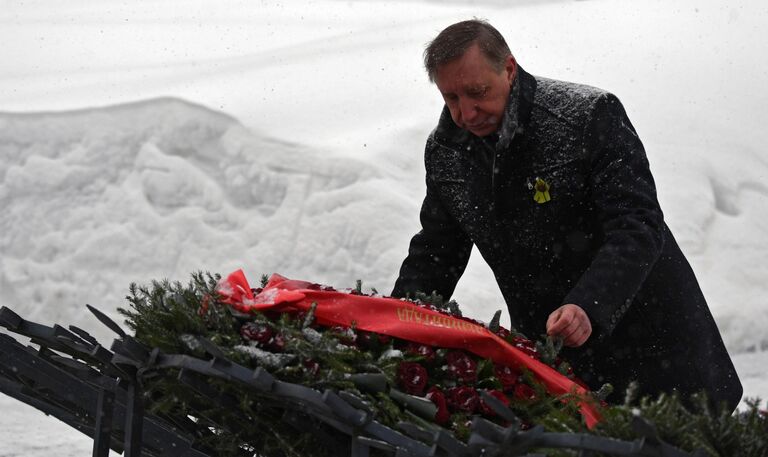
571	323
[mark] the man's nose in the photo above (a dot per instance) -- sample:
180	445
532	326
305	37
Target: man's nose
468	109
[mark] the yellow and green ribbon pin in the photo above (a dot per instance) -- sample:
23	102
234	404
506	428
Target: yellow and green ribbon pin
542	191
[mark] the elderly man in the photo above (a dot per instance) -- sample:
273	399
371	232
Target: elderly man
551	183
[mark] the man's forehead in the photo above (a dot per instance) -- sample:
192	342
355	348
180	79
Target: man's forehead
475	86
461	80
472	67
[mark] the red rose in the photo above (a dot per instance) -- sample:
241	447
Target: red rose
462	367
527	346
412	377
524	392
437	397
463	399
485	409
506	376
260	333
421	350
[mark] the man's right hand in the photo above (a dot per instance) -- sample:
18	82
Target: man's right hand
570	322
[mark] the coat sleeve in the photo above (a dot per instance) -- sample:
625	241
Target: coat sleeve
623	194
438	253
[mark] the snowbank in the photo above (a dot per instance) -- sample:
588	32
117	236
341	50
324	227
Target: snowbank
161	188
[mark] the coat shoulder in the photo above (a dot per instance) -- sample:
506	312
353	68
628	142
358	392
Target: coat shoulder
442	159
570	103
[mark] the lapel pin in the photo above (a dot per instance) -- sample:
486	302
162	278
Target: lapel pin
542	191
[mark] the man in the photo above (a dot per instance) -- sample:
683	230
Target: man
551	183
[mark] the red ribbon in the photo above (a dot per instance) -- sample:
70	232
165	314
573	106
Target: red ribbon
400	319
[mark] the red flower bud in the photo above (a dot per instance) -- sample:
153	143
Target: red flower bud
412	377
461	367
437	397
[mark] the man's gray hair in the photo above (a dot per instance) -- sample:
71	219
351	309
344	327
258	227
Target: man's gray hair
455	39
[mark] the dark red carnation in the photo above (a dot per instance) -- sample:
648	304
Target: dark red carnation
412	377
506	376
437	397
421	350
524	392
463	399
485	409
461	367
260	333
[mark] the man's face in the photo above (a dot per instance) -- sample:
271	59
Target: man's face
475	93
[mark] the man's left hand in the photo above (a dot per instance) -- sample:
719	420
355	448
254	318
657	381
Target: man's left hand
570	322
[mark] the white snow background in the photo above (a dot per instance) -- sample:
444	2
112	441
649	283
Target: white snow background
147	140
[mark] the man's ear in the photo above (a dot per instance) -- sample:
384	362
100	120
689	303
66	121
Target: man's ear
510	66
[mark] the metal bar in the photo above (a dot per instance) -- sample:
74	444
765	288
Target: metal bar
134	419
103	430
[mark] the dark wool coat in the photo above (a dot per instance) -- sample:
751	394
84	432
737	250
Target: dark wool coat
599	242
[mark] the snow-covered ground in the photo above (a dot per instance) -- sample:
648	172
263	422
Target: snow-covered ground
148	140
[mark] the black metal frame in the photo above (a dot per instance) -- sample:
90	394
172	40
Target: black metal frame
97	391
